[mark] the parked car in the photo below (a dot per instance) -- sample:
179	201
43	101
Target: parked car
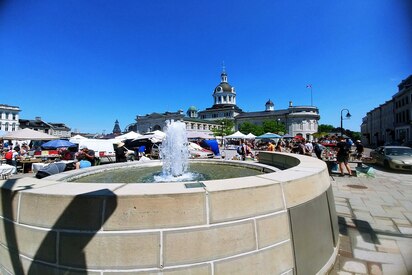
196	151
394	157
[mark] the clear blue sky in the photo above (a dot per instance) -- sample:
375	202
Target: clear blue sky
88	63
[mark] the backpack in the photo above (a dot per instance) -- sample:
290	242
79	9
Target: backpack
9	155
239	150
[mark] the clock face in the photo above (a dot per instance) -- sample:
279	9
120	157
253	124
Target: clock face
219	89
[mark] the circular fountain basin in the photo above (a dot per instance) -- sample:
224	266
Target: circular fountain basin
200	170
283	220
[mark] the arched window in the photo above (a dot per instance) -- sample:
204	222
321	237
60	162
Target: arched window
6	126
13	127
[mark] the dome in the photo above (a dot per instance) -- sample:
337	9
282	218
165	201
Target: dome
223	87
192	108
269	102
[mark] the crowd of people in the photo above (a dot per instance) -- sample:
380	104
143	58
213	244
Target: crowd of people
334	148
13	154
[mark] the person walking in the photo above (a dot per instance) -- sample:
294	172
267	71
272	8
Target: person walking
342	156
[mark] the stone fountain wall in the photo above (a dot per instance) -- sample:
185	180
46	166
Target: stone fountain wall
276	223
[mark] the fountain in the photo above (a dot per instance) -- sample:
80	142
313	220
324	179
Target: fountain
282	221
174	151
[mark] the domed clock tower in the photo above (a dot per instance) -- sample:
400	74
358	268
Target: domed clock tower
224	101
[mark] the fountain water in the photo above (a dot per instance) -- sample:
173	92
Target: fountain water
174	153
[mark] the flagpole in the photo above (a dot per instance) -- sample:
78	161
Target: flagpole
311	98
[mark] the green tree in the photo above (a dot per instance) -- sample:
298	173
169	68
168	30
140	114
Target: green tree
248	127
325	128
273	126
227	127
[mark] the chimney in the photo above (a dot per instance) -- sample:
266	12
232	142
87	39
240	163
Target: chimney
290	103
37	118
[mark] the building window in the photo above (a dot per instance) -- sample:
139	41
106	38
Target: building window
6	126
13	127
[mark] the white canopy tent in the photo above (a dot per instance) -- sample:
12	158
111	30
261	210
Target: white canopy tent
129	135
202	135
155	136
27	134
250	136
77	139
237	135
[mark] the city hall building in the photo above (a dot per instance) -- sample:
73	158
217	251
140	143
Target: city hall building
298	120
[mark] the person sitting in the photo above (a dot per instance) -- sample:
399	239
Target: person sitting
85	157
88	154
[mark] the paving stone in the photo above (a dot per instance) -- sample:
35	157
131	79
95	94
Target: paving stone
393	214
405	230
385	228
362	241
375	269
401	222
356	266
383	221
378	212
379	257
408	215
388	246
406	204
394	269
343	209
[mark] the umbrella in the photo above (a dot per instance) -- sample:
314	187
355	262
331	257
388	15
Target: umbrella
268	136
58	143
298	137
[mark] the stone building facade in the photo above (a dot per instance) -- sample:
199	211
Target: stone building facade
9	118
298	120
55	129
392	121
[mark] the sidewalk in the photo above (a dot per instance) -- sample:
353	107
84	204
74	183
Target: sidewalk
375	221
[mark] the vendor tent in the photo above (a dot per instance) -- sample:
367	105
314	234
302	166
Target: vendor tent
268	136
287	136
129	135
28	134
237	135
155	136
200	135
77	138
250	136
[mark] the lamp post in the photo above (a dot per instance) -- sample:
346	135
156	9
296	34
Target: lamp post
223	125
348	115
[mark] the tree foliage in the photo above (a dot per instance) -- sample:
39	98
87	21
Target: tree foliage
325	128
227	127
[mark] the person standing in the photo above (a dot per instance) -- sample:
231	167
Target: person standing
342	156
120	152
359	149
318	148
271	147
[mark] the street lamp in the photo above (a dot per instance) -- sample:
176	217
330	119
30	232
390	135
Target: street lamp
347	116
223	125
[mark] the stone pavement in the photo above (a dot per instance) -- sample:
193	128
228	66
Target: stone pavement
375	222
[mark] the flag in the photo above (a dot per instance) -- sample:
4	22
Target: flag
309	86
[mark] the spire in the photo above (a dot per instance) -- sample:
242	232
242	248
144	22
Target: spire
223	75
116	129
